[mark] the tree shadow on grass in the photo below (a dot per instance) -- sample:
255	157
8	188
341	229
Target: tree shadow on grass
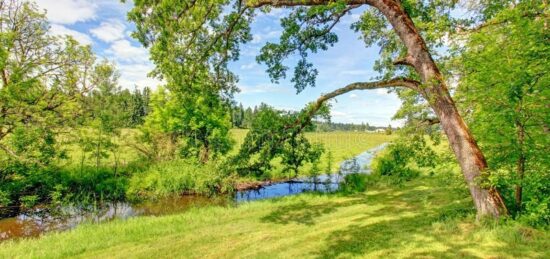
387	237
302	212
405	225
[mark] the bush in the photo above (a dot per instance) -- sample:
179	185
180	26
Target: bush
178	177
395	161
354	183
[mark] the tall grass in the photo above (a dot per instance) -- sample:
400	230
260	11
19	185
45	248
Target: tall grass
178	176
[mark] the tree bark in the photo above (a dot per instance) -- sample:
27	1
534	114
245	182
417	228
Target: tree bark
472	162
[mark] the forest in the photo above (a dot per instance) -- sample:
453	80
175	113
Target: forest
185	168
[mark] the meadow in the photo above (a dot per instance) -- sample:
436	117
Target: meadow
429	217
342	145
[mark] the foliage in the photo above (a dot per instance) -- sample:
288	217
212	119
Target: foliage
178	177
198	84
269	138
504	93
354	183
401	157
42	82
106	116
199	129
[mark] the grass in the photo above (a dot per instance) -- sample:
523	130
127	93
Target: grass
430	217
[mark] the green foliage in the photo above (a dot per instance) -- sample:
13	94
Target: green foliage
40	86
401	157
178	177
28	201
199	127
354	183
272	136
192	58
504	94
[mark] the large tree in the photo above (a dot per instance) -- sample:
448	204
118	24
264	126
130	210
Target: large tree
43	79
208	35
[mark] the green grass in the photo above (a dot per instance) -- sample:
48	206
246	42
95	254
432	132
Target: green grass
430	217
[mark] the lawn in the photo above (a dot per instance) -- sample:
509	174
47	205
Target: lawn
429	217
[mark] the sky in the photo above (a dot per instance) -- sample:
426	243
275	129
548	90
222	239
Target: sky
103	25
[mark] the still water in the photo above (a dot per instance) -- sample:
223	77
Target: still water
39	221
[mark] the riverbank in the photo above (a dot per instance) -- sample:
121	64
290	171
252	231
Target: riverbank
428	217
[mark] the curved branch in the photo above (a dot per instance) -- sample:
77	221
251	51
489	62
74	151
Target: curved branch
290	3
396	82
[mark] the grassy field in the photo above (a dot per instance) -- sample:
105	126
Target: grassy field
430	217
343	145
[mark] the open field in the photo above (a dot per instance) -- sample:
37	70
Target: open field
342	144
429	217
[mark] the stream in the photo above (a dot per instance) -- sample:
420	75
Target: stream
39	221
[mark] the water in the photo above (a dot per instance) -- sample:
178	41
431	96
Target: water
39	221
322	183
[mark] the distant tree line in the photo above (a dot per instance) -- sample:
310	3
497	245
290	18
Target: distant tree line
242	118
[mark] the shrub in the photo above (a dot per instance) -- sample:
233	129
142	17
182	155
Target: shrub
354	183
177	177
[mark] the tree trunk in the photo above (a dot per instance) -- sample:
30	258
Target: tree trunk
520	167
472	162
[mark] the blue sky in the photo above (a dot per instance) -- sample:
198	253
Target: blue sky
102	23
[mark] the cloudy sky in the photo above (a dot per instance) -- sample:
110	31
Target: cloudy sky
102	23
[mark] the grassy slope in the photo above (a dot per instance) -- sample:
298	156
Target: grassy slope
426	217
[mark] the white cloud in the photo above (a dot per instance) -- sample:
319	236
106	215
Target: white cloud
249	66
265	36
68	11
57	29
109	31
274	13
350	19
123	50
261	88
381	91
353	96
136	75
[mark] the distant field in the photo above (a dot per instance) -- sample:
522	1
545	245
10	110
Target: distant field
342	144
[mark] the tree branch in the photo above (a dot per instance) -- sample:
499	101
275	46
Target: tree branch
396	82
404	61
290	3
430	121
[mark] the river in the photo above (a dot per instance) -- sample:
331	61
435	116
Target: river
40	221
